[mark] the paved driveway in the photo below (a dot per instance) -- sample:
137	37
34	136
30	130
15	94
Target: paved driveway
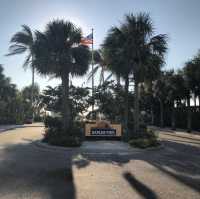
29	171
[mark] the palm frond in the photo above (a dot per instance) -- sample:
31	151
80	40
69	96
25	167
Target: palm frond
158	43
27	61
80	62
92	73
16	49
108	78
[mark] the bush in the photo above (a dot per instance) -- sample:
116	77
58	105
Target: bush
38	119
54	133
51	122
148	139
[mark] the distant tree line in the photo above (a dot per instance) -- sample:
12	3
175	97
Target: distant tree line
15	105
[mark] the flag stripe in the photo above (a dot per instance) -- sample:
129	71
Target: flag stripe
87	40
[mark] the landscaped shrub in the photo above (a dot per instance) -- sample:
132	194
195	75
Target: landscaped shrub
54	133
145	140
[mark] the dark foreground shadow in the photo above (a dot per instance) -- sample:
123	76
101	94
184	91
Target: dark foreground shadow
29	172
142	189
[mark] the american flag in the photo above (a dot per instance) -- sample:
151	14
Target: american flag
87	40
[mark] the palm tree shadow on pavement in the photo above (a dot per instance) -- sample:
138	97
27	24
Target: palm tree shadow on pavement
178	161
142	189
29	171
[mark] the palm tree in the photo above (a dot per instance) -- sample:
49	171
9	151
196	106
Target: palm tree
142	51
142	48
58	52
159	92
22	42
117	63
189	73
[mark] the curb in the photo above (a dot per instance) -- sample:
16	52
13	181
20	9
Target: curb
132	151
11	128
55	148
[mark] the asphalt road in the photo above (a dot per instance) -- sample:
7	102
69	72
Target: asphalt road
28	171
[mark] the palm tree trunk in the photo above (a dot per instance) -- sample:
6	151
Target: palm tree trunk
118	80
188	115
173	124
152	115
65	103
161	113
199	100
136	109
32	91
126	104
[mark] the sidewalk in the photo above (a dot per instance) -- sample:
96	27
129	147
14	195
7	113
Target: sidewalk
174	131
178	132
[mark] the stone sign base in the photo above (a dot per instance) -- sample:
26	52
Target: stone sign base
103	128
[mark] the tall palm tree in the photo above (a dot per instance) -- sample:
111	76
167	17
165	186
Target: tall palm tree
22	42
142	48
117	62
189	73
58	52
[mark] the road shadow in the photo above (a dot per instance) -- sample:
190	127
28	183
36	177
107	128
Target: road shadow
28	172
141	188
28	169
179	161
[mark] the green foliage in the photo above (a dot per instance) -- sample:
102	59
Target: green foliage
54	133
10	101
148	139
109	98
78	98
37	104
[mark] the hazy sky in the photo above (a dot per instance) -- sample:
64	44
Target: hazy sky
180	19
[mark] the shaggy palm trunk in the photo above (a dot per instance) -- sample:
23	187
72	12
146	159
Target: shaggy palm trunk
118	80
161	113
136	108
188	115
173	124
32	91
126	103
65	103
152	115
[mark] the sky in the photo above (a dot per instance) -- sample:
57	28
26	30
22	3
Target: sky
179	19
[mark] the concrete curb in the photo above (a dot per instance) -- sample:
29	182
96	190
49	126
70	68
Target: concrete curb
55	148
11	128
132	151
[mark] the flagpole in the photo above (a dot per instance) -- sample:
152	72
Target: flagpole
92	73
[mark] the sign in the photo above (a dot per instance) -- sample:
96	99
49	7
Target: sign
103	132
